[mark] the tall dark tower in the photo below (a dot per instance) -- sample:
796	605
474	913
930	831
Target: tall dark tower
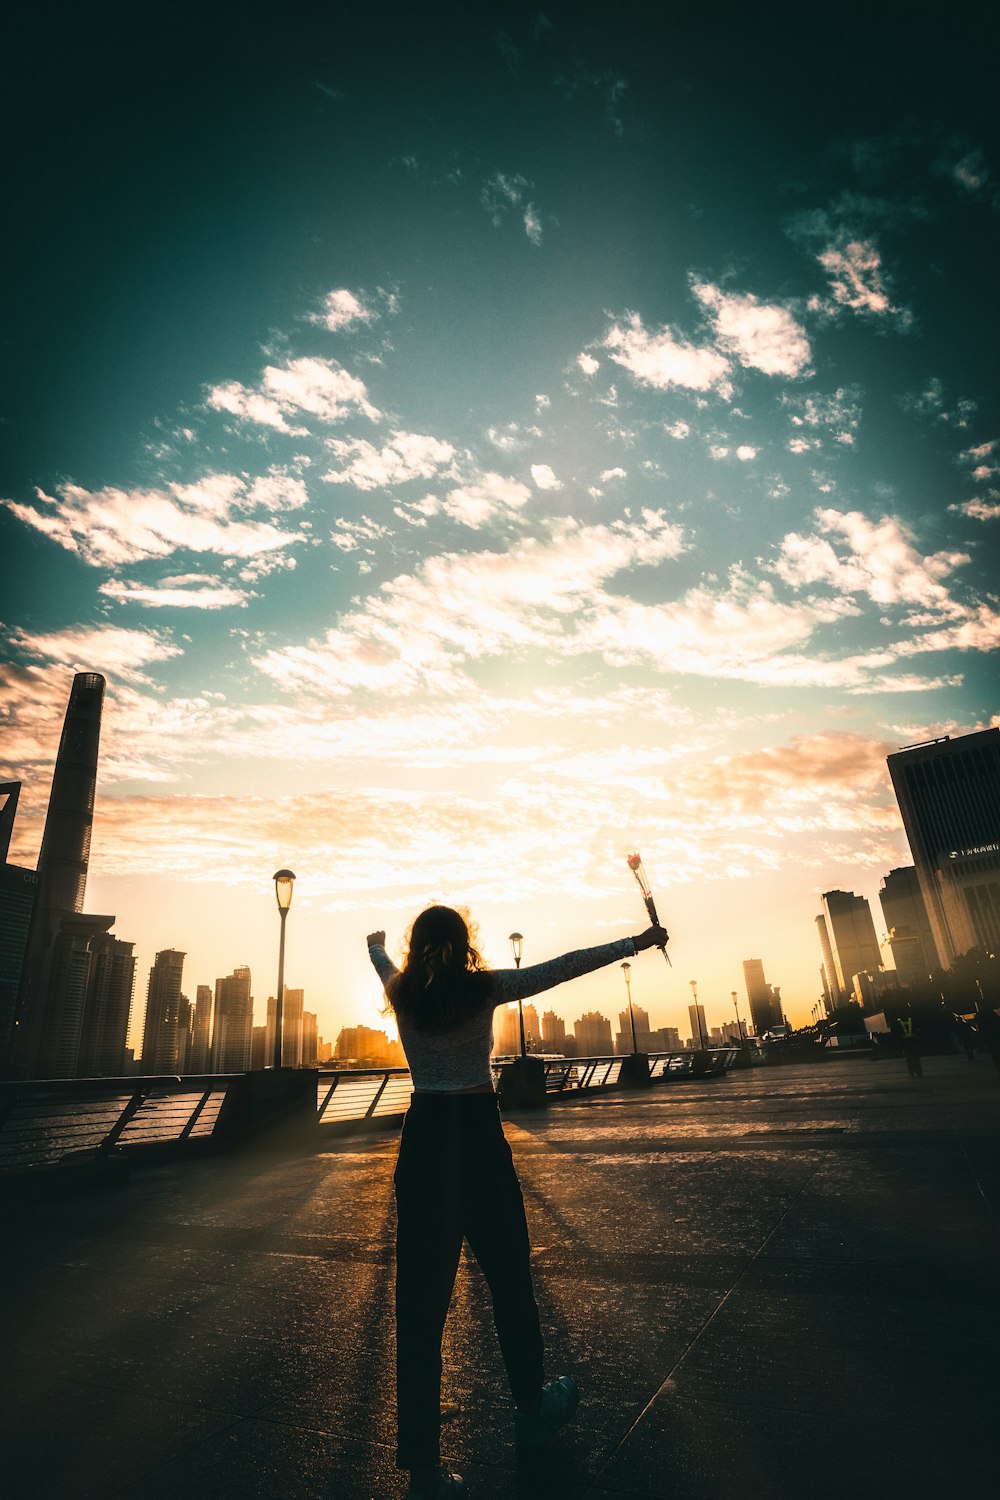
948	792
62	868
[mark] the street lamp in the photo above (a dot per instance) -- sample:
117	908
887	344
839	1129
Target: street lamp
283	882
739	1028
697	1014
627	971
516	944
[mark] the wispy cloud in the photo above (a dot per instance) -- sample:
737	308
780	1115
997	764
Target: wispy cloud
422	629
505	193
763	335
406	456
875	558
189	592
836	415
319	388
661	359
112	527
930	402
110	649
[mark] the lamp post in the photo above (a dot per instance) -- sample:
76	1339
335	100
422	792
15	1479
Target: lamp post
516	943
283	882
697	1014
627	971
739	1029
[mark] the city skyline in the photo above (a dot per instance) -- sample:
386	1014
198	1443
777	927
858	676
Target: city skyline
482	462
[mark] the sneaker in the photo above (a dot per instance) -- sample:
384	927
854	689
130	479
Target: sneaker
559	1402
450	1487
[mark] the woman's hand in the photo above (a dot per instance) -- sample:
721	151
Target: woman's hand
374	938
653	937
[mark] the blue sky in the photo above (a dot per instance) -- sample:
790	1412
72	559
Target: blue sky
474	447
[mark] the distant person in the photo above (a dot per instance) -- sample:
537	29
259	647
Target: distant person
455	1179
911	1044
966	1038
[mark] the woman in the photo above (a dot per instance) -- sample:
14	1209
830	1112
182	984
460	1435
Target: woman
455	1179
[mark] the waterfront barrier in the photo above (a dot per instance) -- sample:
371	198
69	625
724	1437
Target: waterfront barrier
67	1122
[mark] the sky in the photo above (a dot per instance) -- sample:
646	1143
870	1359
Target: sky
476	443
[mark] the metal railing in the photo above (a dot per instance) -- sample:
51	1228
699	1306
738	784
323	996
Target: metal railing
361	1094
60	1120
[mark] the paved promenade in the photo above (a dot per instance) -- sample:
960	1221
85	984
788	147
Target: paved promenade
779	1284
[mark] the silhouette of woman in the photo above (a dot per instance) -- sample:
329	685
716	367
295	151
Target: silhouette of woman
455	1179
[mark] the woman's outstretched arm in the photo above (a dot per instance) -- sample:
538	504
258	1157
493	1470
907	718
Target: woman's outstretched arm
518	984
381	962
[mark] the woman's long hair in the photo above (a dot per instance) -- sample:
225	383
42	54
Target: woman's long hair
443	980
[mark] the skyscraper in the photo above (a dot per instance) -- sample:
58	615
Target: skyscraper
948	792
18	888
163	1035
62	872
593	1035
108	1006
698	1024
910	938
233	1027
553	1032
851	941
764	998
201	1030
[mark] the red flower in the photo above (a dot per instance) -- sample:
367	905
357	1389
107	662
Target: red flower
634	861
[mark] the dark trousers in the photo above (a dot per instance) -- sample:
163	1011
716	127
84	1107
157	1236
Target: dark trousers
455	1179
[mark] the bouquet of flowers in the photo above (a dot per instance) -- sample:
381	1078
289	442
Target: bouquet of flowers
635	865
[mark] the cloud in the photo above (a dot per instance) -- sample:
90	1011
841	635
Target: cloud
980	510
314	387
659	359
930	402
543	478
485	498
677	430
422	629
857	280
608	474
342	308
745	452
350	535
111	527
109	649
877	558
588	364
971	172
837	415
406	456
504	193
764	336
190	592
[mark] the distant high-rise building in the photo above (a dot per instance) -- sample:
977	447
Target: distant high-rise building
764	998
910	938
827	969
200	1060
851	940
593	1035
69	976
62	877
310	1038
18	889
164	1033
532	1029
258	1045
110	988
291	1028
698	1024
507	1032
948	792
553	1032
233	1026
364	1045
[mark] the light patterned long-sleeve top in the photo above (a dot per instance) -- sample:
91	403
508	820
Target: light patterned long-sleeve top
459	1058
